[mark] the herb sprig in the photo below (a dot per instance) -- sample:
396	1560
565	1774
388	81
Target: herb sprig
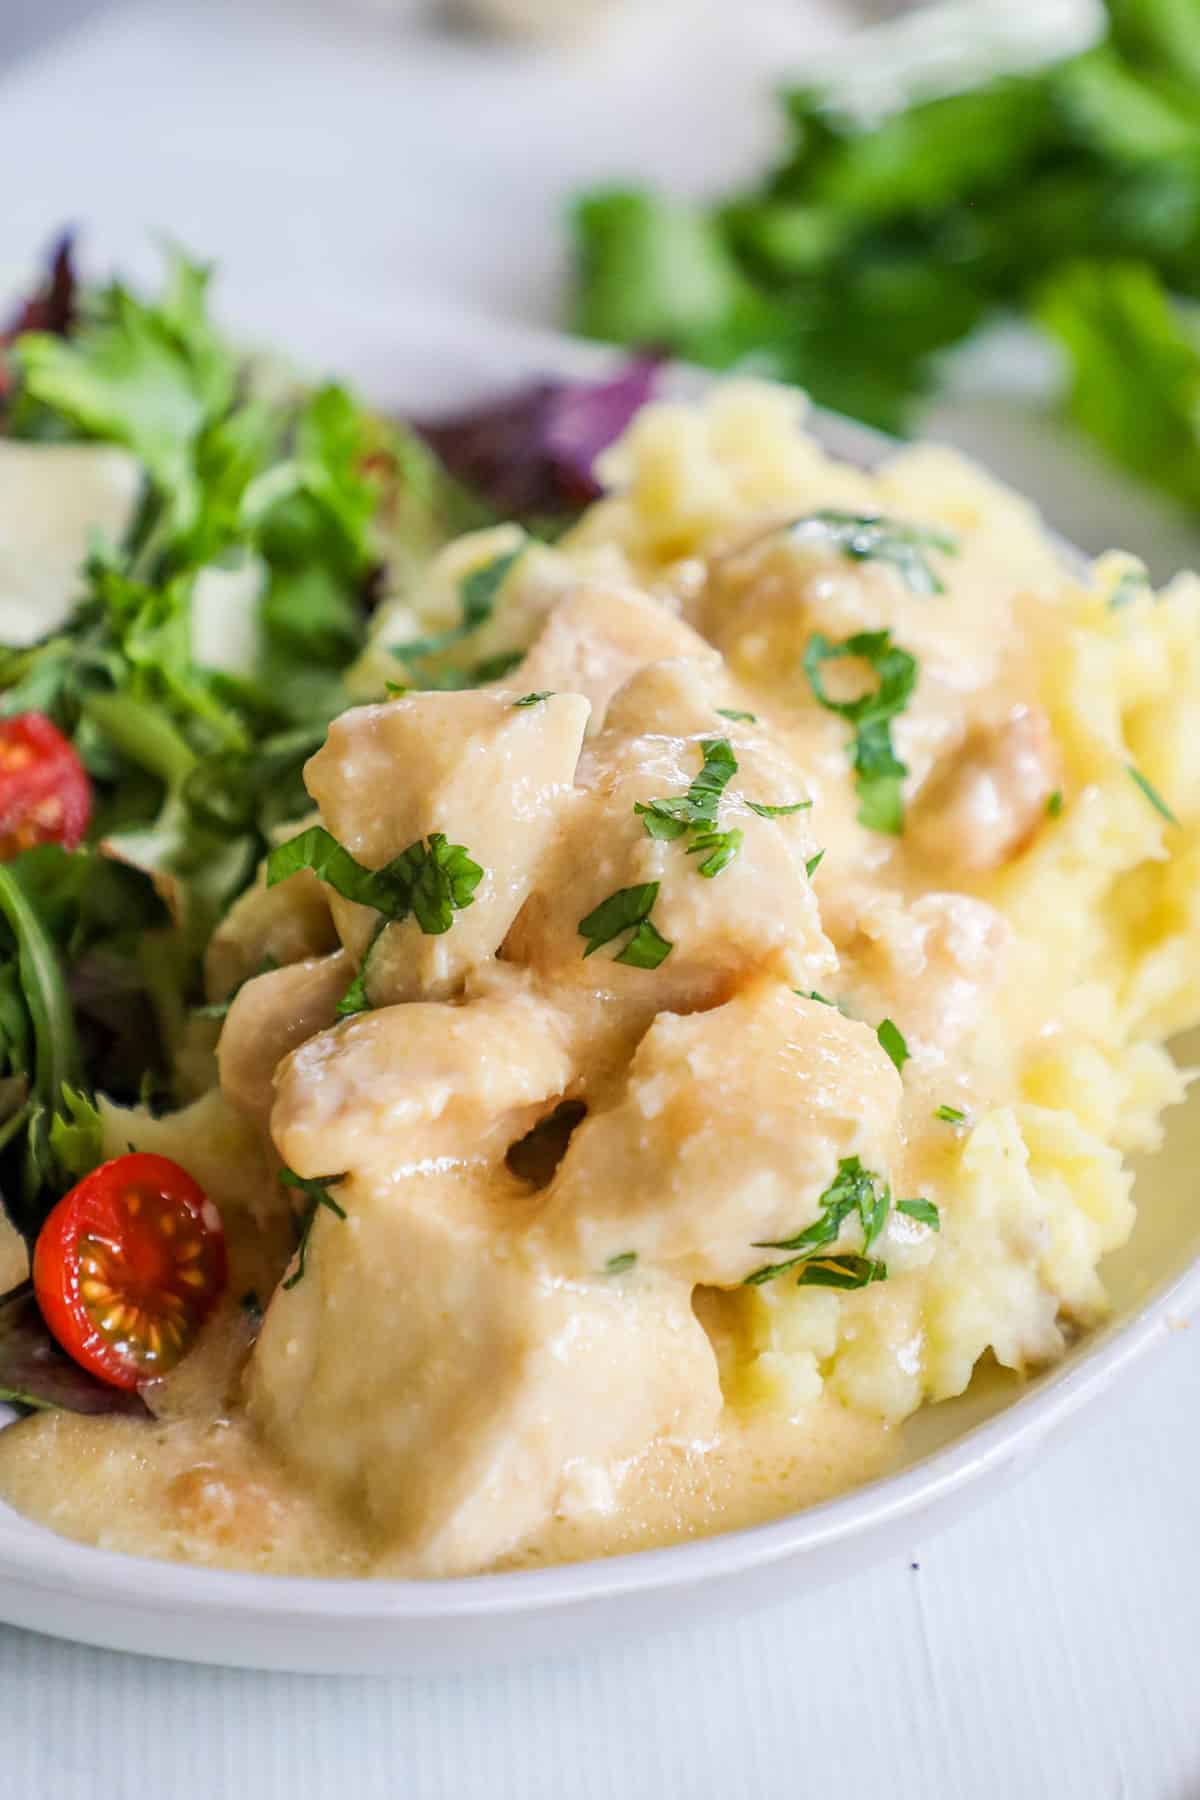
315	1188
873	537
432	879
878	771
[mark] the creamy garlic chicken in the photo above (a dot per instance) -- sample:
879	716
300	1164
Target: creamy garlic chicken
817	894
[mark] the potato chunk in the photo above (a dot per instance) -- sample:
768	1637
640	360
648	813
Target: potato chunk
730	1127
494	777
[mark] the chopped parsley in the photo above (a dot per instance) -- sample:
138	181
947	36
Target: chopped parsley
1132	584
316	1191
617	1265
842	1272
628	909
852	1190
871	537
534	699
478	591
1152	794
672	817
878	770
431	879
356	998
892	1040
1054	804
739	718
814	863
812	994
950	1115
924	1211
694	814
777	812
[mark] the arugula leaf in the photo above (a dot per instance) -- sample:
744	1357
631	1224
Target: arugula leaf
878	770
315	1188
871	537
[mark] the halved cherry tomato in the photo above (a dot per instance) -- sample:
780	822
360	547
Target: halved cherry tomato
45	795
128	1267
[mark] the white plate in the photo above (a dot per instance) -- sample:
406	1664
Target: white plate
422	358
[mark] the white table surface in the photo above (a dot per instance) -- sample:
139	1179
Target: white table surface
1050	1644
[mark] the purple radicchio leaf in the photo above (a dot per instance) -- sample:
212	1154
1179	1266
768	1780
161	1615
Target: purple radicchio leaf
533	451
34	1372
51	307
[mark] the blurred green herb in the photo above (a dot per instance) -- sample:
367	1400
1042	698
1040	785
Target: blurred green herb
1069	194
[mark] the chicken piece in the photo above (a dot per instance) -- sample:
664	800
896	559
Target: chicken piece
430	1373
730	1128
269	1017
492	776
929	966
597	637
984	803
758	912
406	1088
269	927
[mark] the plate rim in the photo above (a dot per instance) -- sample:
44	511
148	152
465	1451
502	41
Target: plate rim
38	1561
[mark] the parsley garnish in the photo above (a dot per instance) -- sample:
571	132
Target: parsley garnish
1054	804
477	593
844	1272
814	863
1153	796
729	712
431	879
629	908
777	812
534	699
924	1211
356	998
892	1040
871	537
812	994
316	1191
694	814
950	1115
1132	585
617	1265
878	770
852	1190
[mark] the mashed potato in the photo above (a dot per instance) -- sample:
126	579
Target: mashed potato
676	1233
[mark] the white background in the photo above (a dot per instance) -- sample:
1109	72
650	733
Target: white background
1048	1645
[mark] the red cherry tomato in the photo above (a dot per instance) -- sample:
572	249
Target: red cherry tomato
128	1267
45	795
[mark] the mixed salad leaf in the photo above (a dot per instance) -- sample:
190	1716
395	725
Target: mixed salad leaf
1069	195
153	737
